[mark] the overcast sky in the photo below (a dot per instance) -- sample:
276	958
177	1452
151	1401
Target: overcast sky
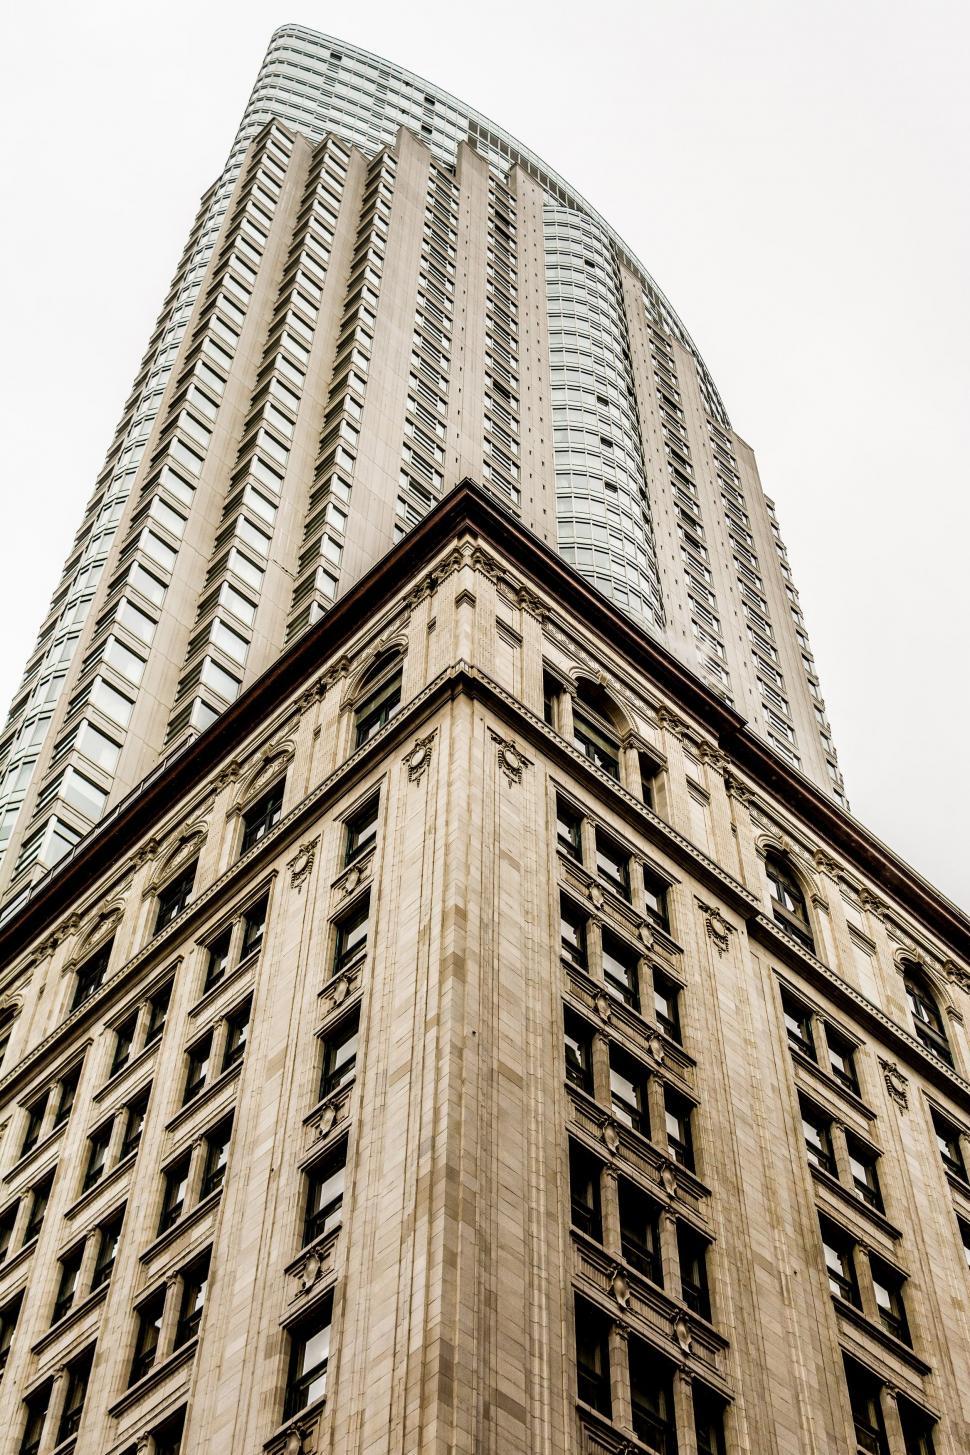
793	175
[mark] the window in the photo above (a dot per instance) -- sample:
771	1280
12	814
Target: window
262	816
917	1428
174	896
340	1055
237	1031
361	831
579	1053
216	1158
651	1398
598	745
149	1325
613	864
865	1178
325	1195
649	773
694	1290
124	1039
65	1097
194	1281
78	1374
36	1410
965	1239
98	1144
798	1025
640	1230
197	1067
655	899
888	1287
666	997
9	1315
157	1011
569	830
948	1141
70	1266
309	1356
680	1139
217	958
351	938
90	975
621	970
708	1421
551	694
628	1091
134	1115
35	1120
176	1181
254	926
7	1220
817	1130
572	927
584	1191
842	1059
381	701
788	901
109	1236
593	1358
167	1437
926	1016
870	1432
839	1263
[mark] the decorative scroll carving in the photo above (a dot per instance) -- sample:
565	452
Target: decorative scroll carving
418	759
620	1288
896	1083
718	929
510	761
302	862
957	975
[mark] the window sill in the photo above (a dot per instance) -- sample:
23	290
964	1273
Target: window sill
830	1083
117	1077
586	992
205	1097
35	1154
73	1316
187	1220
302	1425
858	1319
14	1260
858	1205
108	1180
210	996
155	1376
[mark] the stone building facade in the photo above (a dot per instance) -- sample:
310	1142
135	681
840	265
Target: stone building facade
479	1040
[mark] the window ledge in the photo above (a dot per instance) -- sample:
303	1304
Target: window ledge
36	1153
889	1342
14	1260
74	1315
210	996
205	1097
856	1203
155	1376
831	1084
303	1424
115	1080
187	1220
108	1180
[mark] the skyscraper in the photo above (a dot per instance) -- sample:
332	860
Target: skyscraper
438	1013
384	293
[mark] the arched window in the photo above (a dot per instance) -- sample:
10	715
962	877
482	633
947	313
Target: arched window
594	728
926	1014
788	901
380	697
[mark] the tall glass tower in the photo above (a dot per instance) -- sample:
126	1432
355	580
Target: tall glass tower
384	293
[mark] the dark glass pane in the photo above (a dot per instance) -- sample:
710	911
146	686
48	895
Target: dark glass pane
262	816
593	1358
174	896
361	831
325	1195
640	1231
584	1189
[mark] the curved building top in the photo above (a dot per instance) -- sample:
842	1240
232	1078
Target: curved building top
318	83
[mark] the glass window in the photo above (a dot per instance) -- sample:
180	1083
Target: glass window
917	1428
655	898
798	1025
158	1005
361	831
176	1179
174	896
948	1141
692	1251
888	1287
35	1406
217	958
39	1198
584	1189
197	1067
68	1091
98	747
351	938
262	816
35	1120
708	1421
839	1263
378	707
680	1141
309	1356
149	1326
842	1059
862	1163
640	1230
788	901
237	1033
593	1358
598	745
325	1195
9	1315
579	1053
340	1056
109	1236
216	1157
621	970
817	1130
195	1280
98	1143
651	1398
569	830
613	864
124	1038
572	924
134	1115
628	1091
666	997
90	975
254	925
7	1220
926	1016
78	1374
870	1432
70	1269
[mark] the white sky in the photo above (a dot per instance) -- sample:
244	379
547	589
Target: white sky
794	175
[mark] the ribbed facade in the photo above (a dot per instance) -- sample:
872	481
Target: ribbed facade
383	294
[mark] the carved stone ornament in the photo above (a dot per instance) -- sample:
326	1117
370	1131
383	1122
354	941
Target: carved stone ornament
896	1083
309	1273
737	790
656	1048
294	1442
595	895
302	862
669	1177
418	759
340	991
611	1137
682	1333
718	929
957	975
619	1288
510	761
646	935
602	1006
351	879
327	1120
227	774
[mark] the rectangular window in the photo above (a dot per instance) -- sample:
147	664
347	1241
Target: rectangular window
842	1059
593	1358
98	1143
66	1094
361	831
35	1406
309	1357
254	925
35	1120
195	1279
9	1315
865	1178
350	945
134	1114
325	1195
613	864
197	1067
579	1053
174	896
948	1141
109	1236
584	1189
666	997
870	1432
839	1263
158	1005
596	745
708	1421
217	958
628	1091
7	1220
262	816
237	1033
572	924
888	1287
340	1056
70	1269
651	1398
149	1317
917	1428
692	1250
655	899
798	1025
216	1157
124	1038
176	1180
680	1140
377	709
569	830
90	976
621	970
78	1374
640	1230
817	1130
